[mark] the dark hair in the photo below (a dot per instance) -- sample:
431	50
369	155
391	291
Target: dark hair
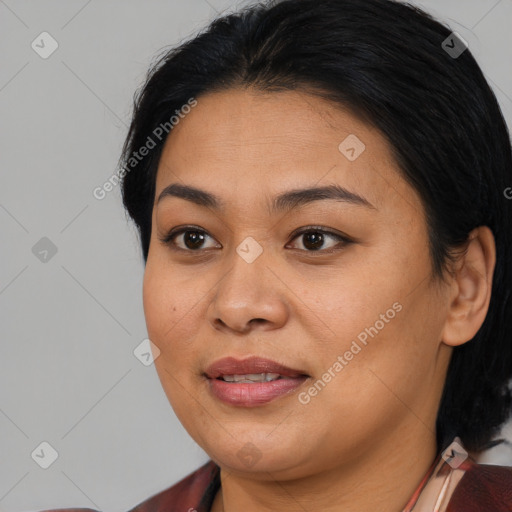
386	61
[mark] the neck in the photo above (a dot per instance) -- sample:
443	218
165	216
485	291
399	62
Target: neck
383	478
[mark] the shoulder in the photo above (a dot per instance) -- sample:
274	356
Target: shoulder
483	488
193	493
69	510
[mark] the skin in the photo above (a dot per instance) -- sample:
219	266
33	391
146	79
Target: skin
365	441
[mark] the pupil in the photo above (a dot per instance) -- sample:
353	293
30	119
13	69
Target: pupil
194	238
313	240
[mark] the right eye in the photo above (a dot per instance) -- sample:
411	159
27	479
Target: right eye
192	239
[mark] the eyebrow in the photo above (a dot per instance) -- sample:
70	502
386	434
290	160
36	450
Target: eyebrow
283	202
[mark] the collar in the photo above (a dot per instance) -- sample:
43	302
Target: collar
438	485
432	495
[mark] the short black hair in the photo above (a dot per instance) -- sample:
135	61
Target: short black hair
390	63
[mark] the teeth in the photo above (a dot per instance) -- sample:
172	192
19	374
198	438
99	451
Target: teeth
252	377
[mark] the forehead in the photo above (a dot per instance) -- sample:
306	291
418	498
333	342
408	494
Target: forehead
258	143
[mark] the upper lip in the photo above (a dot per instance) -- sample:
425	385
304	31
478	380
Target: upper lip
233	366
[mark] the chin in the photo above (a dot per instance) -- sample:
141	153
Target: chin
257	455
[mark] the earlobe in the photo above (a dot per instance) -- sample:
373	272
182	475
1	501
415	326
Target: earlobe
472	286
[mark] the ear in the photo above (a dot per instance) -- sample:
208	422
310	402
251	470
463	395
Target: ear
470	288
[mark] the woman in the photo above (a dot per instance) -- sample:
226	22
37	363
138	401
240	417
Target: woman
327	240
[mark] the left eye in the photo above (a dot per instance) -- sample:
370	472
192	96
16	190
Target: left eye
313	239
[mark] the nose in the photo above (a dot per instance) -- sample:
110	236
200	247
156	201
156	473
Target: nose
248	297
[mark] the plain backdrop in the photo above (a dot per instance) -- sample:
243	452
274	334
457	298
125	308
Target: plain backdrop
71	269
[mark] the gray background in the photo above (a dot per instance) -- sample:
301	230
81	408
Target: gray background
68	375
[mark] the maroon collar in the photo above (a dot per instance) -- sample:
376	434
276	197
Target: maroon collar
453	483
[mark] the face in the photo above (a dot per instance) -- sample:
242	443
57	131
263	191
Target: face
335	286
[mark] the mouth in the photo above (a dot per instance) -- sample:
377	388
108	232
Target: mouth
253	368
252	382
250	378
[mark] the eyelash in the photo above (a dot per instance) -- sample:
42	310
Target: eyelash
343	240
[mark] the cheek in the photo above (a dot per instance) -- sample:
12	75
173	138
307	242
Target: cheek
172	309
169	327
154	303
161	301
365	384
385	326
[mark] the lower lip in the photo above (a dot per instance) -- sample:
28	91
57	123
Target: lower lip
243	394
